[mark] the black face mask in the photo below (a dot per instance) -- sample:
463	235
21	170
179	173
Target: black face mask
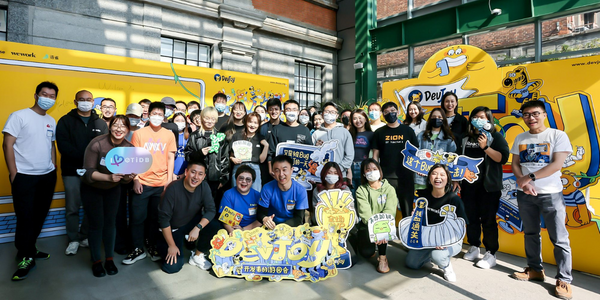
391	117
345	120
437	123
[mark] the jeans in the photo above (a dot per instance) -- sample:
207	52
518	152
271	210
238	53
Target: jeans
101	206
32	196
257	184
72	204
356	176
415	259
481	208
145	205
552	208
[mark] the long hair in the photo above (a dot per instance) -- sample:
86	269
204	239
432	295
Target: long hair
230	126
353	130
338	185
186	133
409	119
363	167
445	128
444	99
249	116
208	112
488	115
428	184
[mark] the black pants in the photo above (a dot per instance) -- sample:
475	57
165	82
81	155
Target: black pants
32	196
481	208
405	190
365	247
202	244
145	206
101	208
123	238
216	192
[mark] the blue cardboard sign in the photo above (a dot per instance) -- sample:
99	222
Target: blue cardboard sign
308	160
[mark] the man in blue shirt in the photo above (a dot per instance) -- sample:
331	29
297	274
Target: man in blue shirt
243	199
282	200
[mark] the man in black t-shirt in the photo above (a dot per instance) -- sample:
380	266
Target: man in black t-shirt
388	143
220	104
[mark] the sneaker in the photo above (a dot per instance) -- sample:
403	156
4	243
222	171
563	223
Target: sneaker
98	270
200	261
135	255
110	267
563	290
153	254
488	261
38	255
449	274
26	265
383	267
472	253
529	274
84	243
72	248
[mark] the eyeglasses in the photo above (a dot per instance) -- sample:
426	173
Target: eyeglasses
534	114
333	112
246	179
116	127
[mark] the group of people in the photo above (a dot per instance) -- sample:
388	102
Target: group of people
205	160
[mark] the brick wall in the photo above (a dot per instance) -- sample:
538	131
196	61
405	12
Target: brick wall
388	8
299	10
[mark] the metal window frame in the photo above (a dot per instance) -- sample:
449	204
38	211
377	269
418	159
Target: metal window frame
185	59
297	91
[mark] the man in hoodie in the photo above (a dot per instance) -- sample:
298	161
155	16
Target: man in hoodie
74	132
220	103
344	152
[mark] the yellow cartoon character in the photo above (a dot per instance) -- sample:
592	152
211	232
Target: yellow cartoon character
453	58
522	88
301	175
577	210
416	97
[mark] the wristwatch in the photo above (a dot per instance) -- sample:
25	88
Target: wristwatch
532	176
199	226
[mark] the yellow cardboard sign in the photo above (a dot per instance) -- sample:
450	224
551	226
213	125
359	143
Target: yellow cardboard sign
230	216
335	212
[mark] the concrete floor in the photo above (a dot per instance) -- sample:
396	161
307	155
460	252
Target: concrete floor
63	277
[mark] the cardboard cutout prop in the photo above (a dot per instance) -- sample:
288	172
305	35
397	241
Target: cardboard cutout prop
298	253
127	160
382	227
460	166
242	150
416	233
335	212
308	160
230	216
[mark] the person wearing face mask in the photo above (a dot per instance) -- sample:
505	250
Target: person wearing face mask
220	104
304	119
436	137
331	130
331	178
290	131
374	196
482	197
30	157
74	132
388	143
262	112
414	117
345	118
375	116
179	119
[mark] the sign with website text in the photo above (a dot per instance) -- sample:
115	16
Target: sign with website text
128	160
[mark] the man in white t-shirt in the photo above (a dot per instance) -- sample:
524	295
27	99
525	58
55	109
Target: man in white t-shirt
538	156
30	155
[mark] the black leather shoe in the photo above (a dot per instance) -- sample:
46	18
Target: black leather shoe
110	267
98	270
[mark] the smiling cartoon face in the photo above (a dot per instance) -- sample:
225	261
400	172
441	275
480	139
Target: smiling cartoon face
382	226
570	182
456	57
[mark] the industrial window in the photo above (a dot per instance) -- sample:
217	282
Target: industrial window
308	84
184	52
3	18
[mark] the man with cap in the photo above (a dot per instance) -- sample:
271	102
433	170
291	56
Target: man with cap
74	132
134	112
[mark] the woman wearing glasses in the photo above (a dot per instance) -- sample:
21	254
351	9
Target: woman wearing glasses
243	199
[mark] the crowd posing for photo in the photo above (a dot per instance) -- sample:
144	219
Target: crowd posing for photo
224	156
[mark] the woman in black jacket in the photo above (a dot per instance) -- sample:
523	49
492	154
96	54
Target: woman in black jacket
482	197
458	123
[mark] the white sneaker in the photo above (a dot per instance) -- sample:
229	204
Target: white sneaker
472	253
488	261
200	261
72	248
449	274
84	243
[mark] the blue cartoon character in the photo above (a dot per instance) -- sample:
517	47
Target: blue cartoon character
535	153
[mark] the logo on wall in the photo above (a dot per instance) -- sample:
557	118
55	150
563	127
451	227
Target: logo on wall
297	253
335	213
308	160
128	160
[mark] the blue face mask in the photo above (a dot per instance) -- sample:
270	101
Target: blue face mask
479	123
220	107
45	103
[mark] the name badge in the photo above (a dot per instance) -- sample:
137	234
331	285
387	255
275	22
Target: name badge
291	204
102	162
49	133
252	211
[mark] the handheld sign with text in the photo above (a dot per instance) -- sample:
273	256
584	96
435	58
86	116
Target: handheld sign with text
128	160
382	227
416	233
335	212
308	160
230	216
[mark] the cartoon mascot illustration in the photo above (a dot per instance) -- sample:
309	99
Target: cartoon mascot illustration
522	88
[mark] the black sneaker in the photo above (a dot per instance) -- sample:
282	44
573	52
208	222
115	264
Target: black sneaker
153	254
98	270
38	255
135	255
26	265
110	267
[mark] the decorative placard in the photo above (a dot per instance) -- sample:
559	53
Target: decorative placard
382	227
308	160
335	212
242	150
128	160
230	216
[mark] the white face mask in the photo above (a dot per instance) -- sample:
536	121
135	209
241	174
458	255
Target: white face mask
262	116
374	114
190	111
180	125
304	120
156	120
373	176
168	112
85	106
332	179
329	118
291	116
